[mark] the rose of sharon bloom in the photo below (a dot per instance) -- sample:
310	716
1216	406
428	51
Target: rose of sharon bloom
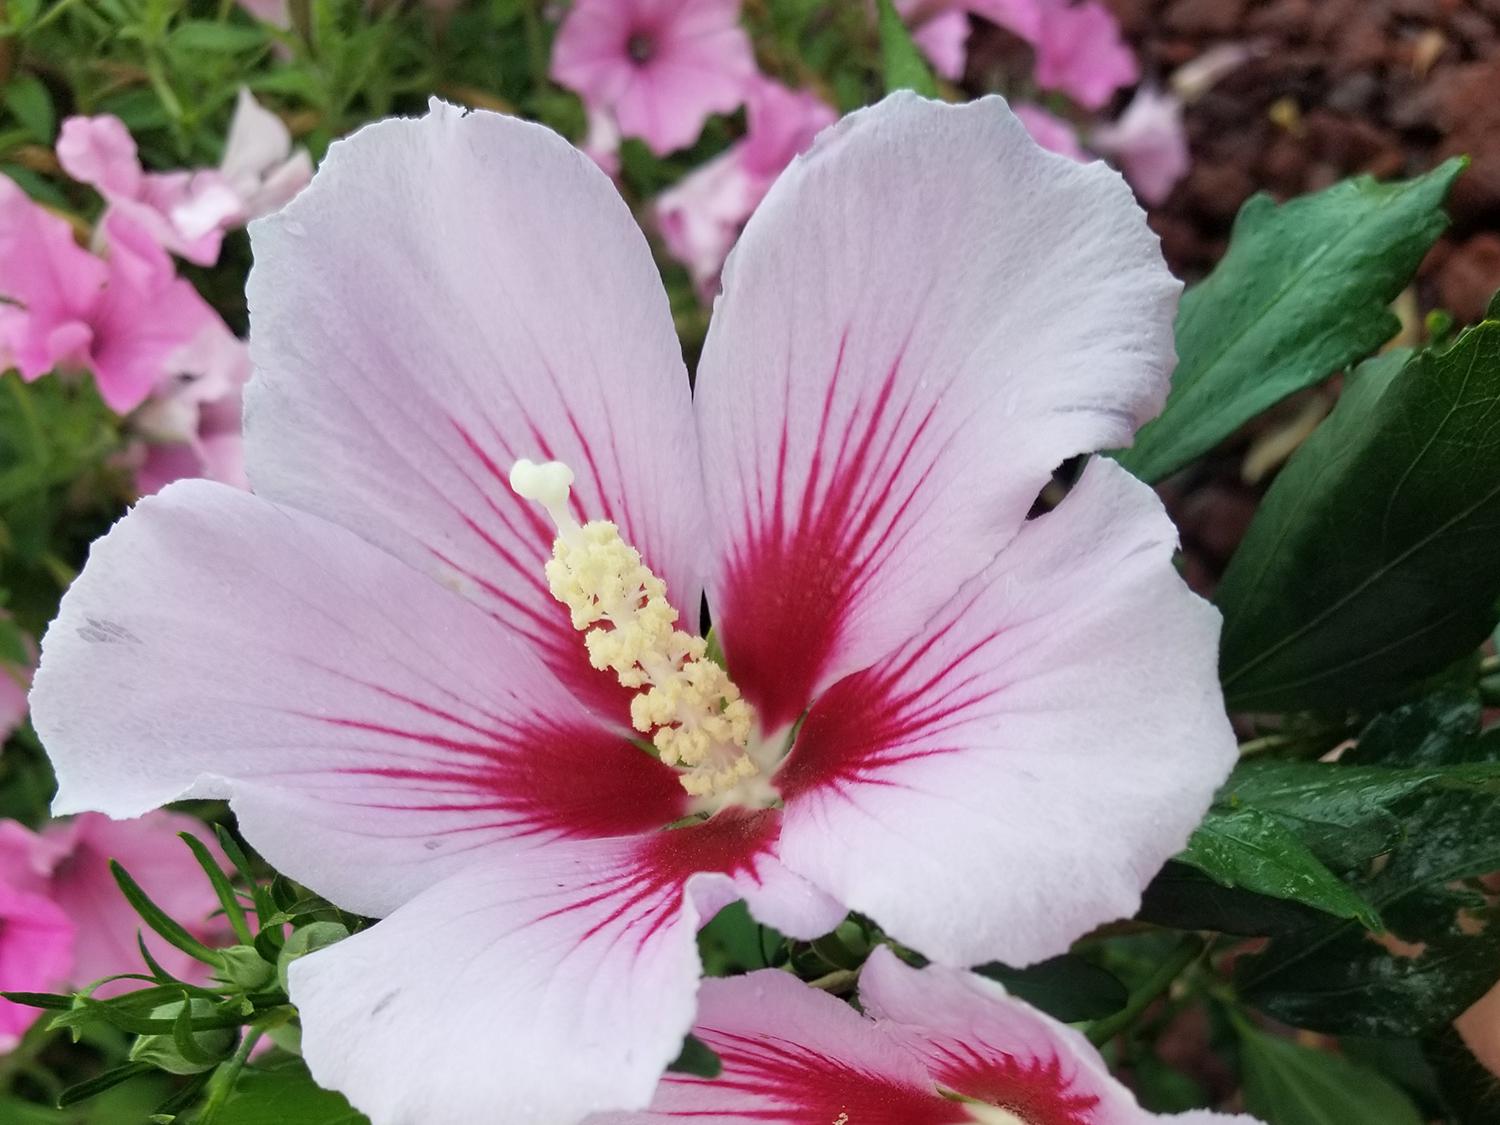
1052	132
120	316
1080	51
191	424
793	1055
701	217
660	67
1009	723
260	169
1149	142
100	152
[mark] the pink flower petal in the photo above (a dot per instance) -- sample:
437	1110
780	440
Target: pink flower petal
1023	18
259	163
100	152
979	1042
875	422
942	35
1150	143
1051	132
371	727
700	217
149	849
780	123
36	948
144	315
660	66
1058	724
794	1056
1081	51
509	309
555	984
268	11
54	281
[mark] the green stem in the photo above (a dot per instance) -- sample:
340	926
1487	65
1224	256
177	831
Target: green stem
1188	951
222	1084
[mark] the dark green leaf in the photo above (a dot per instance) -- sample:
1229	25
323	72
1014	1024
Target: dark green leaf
902	64
696	1058
1293	1085
30	103
1247	847
1373	560
1301	294
1440	728
1070	988
1445	936
1183	898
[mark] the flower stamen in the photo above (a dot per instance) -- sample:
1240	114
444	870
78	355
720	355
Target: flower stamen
687	704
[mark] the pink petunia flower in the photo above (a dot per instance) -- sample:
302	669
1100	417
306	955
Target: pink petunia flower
793	1055
660	67
1052	132
934	711
36	936
100	152
75	857
1081	52
701	217
63	919
191	424
120	316
1149	142
260	169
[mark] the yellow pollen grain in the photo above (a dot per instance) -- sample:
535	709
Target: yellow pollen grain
688	705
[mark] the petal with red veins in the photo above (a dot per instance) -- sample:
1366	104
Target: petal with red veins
1058	725
508	308
977	1041
372	728
926	315
794	1056
553	984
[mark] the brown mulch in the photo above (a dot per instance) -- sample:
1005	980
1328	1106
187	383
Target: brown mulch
1337	87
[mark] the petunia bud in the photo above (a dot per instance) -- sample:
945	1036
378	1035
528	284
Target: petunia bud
245	967
210	1045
